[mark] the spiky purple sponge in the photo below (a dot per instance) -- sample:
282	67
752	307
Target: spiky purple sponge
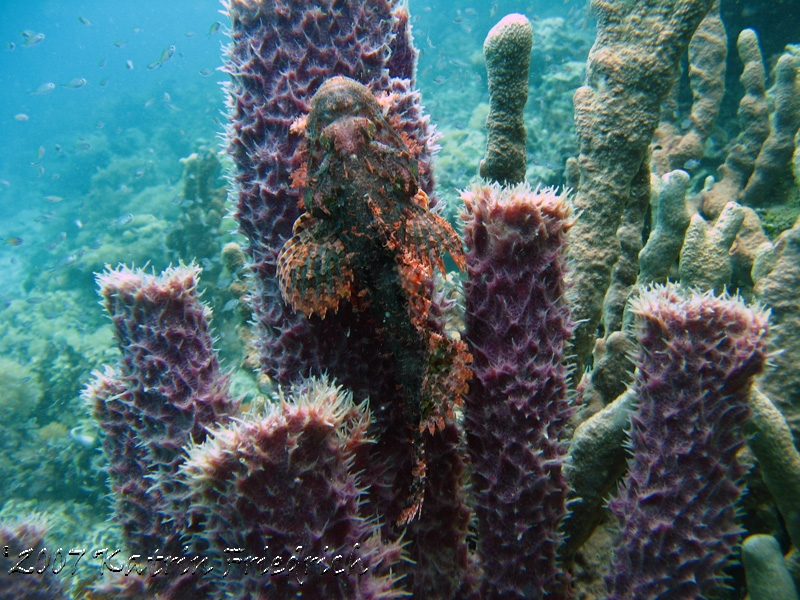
517	325
281	51
15	537
676	508
282	482
165	392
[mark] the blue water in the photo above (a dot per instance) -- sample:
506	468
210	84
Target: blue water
71	125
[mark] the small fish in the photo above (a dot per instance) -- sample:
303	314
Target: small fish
85	21
21	117
129	64
53	199
121	221
119	44
439	80
5	183
28	33
190	34
100	124
104	82
167	97
83	146
40	152
137	30
205	72
457	62
78	223
214	28
34	40
11	46
45	88
57	147
139	173
148	103
75	83
101	63
13	241
690	164
81	437
230	305
166	54
40	170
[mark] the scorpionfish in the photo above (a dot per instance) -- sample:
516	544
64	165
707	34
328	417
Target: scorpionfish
367	237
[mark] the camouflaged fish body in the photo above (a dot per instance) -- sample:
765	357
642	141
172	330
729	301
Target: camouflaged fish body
368	238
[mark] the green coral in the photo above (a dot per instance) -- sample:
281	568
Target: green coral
507	50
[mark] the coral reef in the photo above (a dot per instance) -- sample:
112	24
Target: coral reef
771	442
517	322
357	468
767	577
774	158
680	139
196	234
507	50
629	74
704	258
49	346
669	227
697	358
777	274
757	169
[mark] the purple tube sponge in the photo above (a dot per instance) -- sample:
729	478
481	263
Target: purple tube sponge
677	506
165	392
281	52
23	582
517	326
282	486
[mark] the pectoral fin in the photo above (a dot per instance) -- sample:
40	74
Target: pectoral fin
314	270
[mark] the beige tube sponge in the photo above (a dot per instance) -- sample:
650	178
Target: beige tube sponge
507	50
